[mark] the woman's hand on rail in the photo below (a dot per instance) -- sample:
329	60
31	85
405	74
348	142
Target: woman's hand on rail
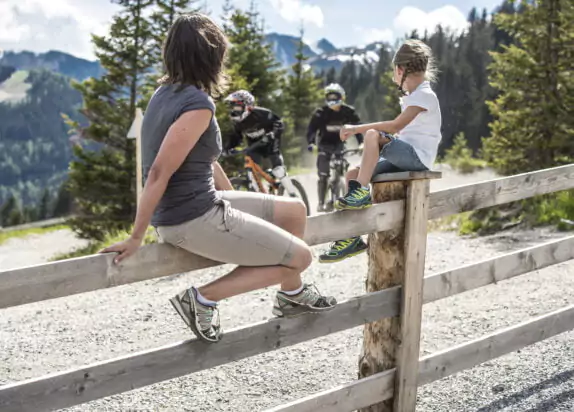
124	249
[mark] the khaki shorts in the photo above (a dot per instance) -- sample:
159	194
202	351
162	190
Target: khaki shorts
239	230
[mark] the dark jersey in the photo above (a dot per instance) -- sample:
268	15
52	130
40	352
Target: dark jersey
257	124
328	123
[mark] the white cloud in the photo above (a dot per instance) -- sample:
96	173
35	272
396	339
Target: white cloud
38	25
372	35
297	11
412	18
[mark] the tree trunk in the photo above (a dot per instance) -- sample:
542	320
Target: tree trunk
381	339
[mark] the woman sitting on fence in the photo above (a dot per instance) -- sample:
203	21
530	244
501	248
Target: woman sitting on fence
189	200
413	149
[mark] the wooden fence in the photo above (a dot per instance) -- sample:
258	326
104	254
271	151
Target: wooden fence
125	373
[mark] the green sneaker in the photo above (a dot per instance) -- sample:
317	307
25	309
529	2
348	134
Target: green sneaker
308	300
357	198
343	249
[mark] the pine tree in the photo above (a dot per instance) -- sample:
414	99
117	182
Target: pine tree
533	124
251	57
302	91
7	209
45	203
103	182
162	19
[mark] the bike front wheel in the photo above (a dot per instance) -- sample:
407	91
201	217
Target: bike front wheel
301	194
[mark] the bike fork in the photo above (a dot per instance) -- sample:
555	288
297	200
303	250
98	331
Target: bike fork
252	181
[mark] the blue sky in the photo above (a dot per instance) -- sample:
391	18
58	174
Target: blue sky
66	24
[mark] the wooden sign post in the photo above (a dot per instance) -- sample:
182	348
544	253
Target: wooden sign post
135	133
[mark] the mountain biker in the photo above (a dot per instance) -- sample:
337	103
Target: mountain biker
262	129
327	122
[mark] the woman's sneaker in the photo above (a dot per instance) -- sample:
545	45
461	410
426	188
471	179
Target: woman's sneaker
308	300
357	198
197	316
343	249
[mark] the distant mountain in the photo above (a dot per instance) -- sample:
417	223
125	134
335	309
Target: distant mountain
325	46
55	61
323	55
285	48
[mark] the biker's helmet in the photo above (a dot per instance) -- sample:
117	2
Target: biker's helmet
239	103
334	95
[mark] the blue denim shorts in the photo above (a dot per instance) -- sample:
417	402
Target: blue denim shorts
398	156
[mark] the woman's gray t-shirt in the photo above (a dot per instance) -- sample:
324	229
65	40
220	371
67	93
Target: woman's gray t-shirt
191	191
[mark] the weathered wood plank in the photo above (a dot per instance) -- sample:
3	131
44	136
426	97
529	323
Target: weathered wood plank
394	177
476	275
85	274
144	368
342	225
133	371
445	363
500	191
58	279
440	364
416	217
344	398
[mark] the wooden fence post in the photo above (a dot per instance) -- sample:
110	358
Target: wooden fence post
397	257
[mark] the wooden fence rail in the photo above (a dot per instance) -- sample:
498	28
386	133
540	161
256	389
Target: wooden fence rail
379	387
80	385
89	273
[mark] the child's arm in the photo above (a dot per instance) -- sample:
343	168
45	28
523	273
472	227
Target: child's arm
390	126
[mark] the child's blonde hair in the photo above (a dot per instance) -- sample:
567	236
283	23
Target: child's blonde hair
415	57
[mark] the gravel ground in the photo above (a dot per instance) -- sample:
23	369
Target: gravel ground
50	336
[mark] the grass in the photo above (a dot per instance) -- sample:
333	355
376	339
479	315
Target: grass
10	234
94	247
453	223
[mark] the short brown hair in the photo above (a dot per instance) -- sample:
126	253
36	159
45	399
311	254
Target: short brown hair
194	53
415	57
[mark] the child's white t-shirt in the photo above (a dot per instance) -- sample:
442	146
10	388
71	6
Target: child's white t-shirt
423	133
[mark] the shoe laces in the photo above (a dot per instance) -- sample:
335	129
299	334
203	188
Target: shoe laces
341	244
205	315
310	295
358	193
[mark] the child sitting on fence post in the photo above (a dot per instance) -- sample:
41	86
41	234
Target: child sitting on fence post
414	148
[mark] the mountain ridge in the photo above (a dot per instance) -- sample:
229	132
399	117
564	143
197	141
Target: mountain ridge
322	56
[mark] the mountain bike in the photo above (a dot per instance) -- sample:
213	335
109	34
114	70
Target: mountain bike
255	179
337	187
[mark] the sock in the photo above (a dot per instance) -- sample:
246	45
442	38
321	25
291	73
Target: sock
202	300
293	292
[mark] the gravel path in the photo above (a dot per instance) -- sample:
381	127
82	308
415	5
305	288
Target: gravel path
36	249
51	336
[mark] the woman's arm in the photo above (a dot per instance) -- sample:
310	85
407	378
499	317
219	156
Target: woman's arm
220	178
179	140
390	126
